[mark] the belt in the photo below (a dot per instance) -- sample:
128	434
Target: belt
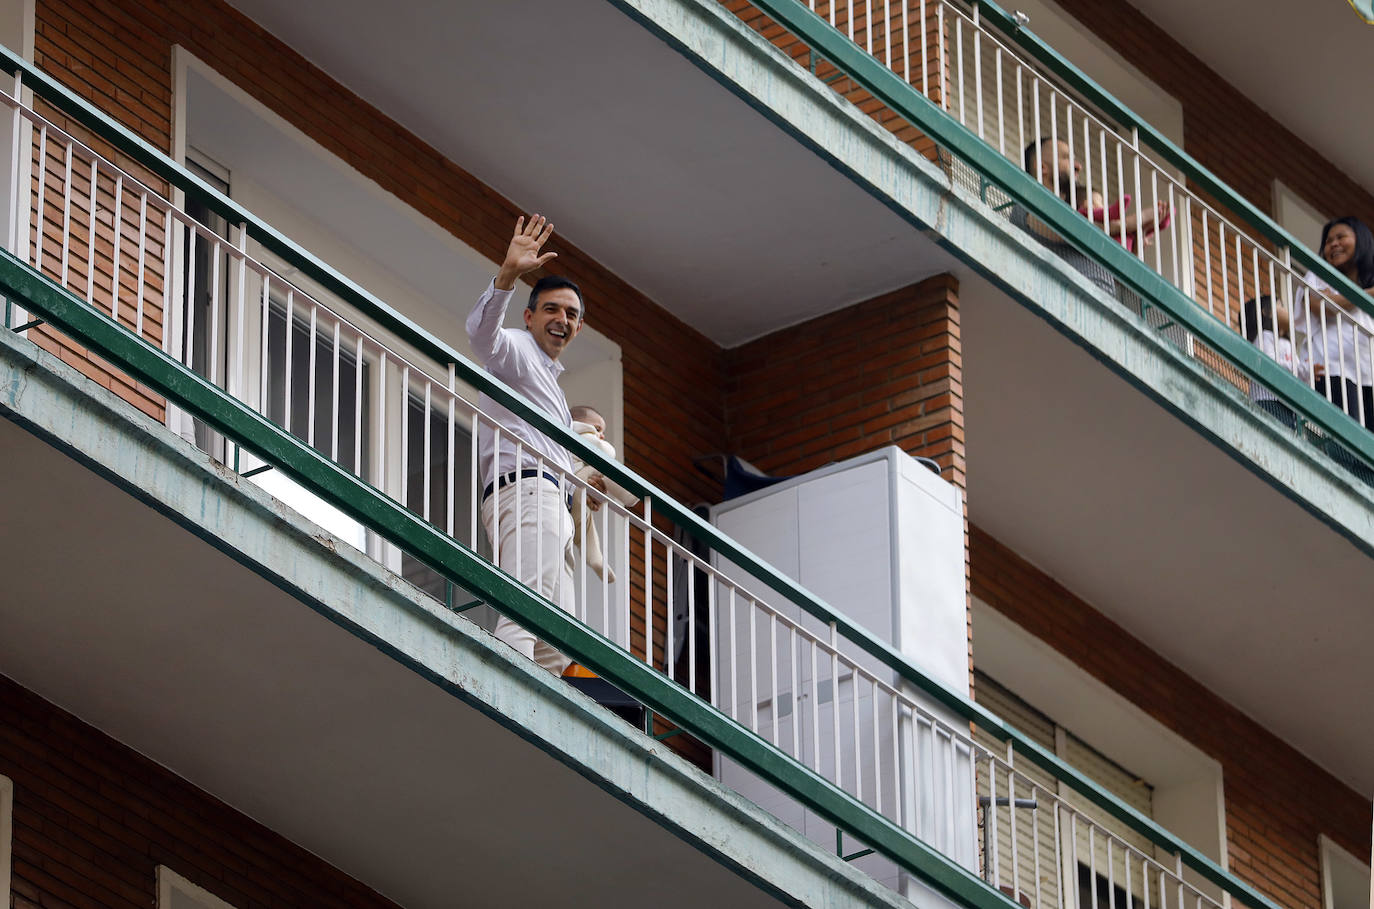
529	473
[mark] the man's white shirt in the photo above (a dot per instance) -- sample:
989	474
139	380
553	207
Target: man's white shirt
514	357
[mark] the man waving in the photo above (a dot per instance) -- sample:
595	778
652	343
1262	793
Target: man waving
524	504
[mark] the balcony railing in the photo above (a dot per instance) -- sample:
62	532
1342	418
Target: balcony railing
969	84
375	417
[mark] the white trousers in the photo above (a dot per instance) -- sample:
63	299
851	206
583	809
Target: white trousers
535	542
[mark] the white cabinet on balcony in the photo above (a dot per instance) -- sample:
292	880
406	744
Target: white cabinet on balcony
880	538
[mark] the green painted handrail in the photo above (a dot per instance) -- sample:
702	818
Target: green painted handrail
460	565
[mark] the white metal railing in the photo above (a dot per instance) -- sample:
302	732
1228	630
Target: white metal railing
405	424
974	72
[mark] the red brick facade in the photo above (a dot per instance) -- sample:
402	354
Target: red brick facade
1277	801
93	820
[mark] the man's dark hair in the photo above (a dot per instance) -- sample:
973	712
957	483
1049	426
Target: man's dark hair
1364	248
1028	157
554	282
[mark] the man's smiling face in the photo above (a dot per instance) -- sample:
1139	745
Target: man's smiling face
555	320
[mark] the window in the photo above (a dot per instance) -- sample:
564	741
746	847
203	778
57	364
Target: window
175	892
1297	217
1345	878
1088	852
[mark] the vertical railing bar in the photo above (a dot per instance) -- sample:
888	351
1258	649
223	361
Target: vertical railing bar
335	394
241	304
944	65
1225	271
1139	198
691	645
978	72
357	404
1001	104
993	858
451	471
1207	265
142	263
1176	217
289	348
425	463
734	657
795	680
605	514
669	648
835	704
959	65
753	669
66	216
899	815
263	362
115	258
90	234
186	331
380	472
773	673
854	731
311	362
815	711
925	51
625	587
712	659
40	232
1035	846
648	582
877	745
1011	823
212	329
403	414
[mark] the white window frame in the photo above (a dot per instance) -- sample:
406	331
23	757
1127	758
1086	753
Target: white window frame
1341	874
1299	217
6	837
170	883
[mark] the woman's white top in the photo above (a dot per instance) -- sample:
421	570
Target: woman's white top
1281	353
1326	335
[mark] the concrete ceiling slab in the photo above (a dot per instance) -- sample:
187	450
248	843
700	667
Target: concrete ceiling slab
571	108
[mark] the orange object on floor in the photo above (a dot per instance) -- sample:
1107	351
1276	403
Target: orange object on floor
578	671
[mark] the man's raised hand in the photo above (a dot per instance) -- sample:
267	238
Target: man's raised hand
522	255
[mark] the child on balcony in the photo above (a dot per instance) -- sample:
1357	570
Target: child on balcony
591	425
1266	325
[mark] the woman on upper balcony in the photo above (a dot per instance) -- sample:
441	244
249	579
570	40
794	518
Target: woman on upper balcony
1335	335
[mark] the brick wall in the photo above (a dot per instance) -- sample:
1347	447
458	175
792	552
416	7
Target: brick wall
93	820
888	371
884	372
1277	801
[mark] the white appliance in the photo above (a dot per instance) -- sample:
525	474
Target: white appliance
880	538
